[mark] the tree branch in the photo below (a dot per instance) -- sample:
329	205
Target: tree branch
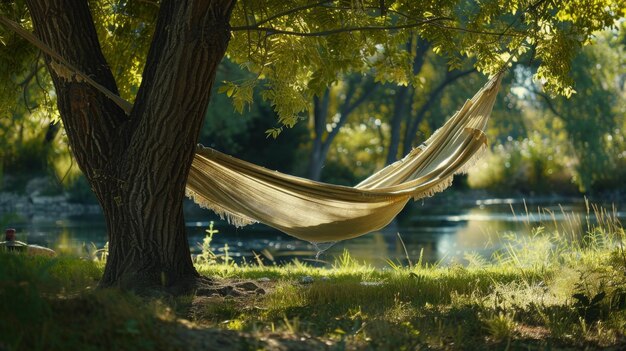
274	31
412	128
367	89
465	30
548	101
389	10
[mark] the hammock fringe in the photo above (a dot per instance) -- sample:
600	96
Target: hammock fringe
472	162
234	219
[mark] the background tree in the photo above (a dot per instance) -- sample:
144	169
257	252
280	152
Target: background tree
403	99
592	116
329	113
242	134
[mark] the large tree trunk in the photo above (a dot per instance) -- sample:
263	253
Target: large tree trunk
137	165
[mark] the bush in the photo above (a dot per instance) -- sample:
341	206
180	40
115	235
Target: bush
536	163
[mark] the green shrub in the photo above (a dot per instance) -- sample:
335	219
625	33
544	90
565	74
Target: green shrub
536	163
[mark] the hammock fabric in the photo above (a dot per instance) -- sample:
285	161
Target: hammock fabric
245	193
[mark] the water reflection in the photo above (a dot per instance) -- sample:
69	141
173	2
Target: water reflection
442	233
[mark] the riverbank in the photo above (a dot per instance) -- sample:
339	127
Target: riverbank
539	293
45	196
57	205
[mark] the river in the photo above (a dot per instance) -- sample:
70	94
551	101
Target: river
439	231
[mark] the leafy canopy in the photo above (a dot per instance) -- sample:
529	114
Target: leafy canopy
297	48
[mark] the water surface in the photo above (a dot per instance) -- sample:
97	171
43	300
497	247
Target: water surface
436	230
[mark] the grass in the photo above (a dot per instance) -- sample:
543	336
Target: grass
548	290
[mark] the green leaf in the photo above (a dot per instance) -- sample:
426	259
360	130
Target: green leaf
273	132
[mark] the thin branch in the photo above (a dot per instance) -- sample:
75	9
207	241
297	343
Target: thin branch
273	31
548	101
500	34
401	14
26	83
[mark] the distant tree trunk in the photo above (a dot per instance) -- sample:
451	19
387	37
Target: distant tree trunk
320	114
418	117
137	165
400	109
323	139
414	122
403	100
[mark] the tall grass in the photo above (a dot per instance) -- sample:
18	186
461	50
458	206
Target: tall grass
558	283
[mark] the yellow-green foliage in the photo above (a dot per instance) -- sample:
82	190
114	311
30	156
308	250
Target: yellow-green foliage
299	48
538	163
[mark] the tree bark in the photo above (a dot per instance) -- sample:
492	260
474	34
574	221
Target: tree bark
404	100
320	114
321	145
137	165
414	122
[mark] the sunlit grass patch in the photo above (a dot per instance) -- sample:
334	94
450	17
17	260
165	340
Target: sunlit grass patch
554	287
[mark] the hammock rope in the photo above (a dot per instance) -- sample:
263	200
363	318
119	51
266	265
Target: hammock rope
244	193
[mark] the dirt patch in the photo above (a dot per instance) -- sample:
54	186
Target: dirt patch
218	301
532	332
232	288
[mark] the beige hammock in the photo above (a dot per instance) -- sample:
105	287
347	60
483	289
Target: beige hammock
245	193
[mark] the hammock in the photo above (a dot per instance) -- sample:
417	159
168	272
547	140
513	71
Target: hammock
245	193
